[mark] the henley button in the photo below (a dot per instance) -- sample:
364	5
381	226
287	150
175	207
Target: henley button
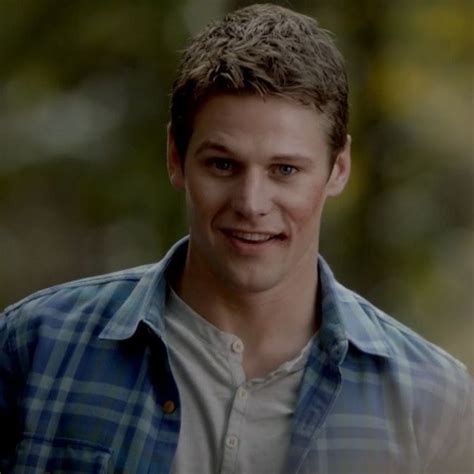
242	393
231	441
238	346
169	407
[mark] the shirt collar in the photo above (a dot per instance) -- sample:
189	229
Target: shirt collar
147	300
345	316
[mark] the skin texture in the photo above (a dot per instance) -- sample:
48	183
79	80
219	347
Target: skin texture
260	166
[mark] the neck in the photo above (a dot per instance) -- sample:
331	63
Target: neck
274	324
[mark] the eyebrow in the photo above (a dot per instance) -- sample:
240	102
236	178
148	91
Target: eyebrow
211	145
216	146
294	157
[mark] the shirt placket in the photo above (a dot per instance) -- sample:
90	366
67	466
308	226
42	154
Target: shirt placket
233	434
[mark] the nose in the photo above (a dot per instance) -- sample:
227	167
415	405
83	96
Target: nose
251	196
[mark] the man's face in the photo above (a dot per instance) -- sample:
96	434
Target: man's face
256	176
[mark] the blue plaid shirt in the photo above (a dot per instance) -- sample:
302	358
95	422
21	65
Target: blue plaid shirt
86	386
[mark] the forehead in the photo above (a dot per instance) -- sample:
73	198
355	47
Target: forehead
268	124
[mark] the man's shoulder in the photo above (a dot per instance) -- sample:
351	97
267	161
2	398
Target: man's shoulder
434	385
427	392
407	348
84	294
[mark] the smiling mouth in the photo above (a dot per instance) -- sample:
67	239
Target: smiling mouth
254	238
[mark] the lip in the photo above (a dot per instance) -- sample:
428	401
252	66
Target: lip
247	247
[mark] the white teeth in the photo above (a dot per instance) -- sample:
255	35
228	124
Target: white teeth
253	236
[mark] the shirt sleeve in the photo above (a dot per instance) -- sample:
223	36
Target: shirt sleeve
457	453
9	394
463	447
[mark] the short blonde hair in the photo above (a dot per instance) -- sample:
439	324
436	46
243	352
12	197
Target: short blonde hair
263	49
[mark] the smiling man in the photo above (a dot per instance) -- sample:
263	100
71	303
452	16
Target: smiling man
238	352
256	174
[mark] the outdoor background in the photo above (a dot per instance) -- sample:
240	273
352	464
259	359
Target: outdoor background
83	188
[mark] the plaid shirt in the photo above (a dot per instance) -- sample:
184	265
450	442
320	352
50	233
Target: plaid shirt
86	386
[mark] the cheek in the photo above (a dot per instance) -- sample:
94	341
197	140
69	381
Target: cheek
203	200
305	208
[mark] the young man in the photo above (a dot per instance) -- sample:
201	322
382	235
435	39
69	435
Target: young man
238	352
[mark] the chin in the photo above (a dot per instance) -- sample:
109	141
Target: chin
252	283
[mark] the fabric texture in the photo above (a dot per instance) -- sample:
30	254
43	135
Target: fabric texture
230	423
86	385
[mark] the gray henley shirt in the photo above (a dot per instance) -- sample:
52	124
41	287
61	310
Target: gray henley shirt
228	424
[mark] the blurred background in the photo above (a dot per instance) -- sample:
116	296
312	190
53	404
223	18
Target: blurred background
83	108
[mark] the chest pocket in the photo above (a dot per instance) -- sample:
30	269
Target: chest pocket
35	455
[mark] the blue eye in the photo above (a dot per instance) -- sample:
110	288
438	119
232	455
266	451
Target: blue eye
286	170
221	165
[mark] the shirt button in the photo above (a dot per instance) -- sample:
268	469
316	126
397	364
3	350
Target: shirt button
231	442
169	407
238	347
242	393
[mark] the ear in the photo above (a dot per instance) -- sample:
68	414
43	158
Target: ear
173	162
341	170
